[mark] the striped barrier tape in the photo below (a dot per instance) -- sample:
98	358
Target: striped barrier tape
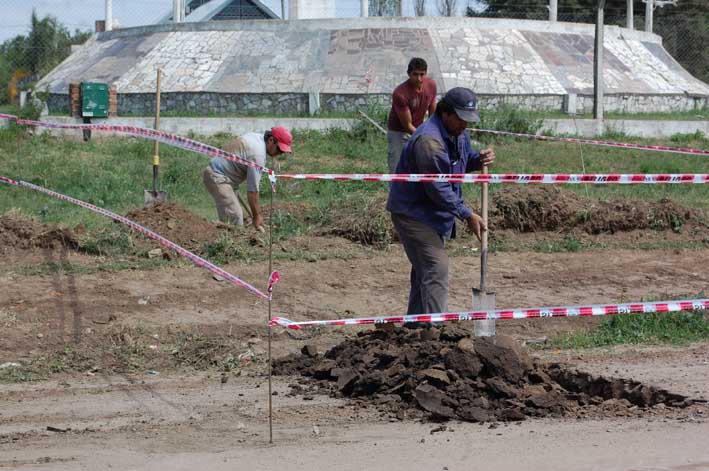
196	259
534	313
519	178
624	145
595	179
150	134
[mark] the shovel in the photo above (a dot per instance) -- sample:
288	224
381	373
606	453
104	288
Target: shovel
153	197
482	299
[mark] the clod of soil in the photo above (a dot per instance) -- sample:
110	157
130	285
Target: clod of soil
535	209
450	375
20	233
176	223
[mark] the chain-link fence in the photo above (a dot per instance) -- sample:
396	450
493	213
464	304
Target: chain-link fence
35	40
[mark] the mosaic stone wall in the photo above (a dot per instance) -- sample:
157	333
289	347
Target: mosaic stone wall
220	67
209	104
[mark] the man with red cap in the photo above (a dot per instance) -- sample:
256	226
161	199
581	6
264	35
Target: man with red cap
222	176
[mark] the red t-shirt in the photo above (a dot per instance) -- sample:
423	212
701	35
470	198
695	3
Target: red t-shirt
417	101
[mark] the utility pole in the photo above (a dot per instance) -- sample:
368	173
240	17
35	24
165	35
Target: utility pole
364	8
553	9
598	63
109	15
649	6
283	9
629	15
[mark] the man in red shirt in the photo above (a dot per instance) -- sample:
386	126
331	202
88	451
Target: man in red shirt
409	104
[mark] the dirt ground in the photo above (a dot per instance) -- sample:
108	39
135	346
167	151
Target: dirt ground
104	414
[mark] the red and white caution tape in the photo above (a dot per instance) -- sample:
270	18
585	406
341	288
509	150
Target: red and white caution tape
534	313
624	145
196	259
150	134
518	178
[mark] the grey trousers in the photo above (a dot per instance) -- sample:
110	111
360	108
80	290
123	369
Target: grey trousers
426	251
220	187
395	144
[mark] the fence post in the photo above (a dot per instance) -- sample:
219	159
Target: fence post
649	5
109	15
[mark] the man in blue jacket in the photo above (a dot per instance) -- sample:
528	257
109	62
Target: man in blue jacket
424	213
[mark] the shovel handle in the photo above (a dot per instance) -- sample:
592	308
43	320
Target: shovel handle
156	145
483	250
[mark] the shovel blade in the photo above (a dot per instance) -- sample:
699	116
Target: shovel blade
151	198
483	301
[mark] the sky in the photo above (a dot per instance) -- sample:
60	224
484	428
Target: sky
81	14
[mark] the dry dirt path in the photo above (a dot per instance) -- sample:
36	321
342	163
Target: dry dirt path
61	307
196	422
183	421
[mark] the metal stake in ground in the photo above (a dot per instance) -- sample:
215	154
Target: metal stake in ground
482	299
268	321
153	197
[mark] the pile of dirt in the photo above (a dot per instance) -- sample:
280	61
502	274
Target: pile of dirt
363	219
176	223
20	233
446	373
537	209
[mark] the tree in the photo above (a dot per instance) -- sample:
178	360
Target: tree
45	47
384	7
420	7
446	7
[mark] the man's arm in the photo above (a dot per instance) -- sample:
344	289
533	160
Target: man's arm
431	157
476	160
252	196
253	176
403	112
432	106
406	120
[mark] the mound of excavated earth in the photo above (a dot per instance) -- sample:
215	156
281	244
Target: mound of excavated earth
176	223
448	374
535	209
20	233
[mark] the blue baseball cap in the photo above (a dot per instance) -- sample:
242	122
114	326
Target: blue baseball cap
464	102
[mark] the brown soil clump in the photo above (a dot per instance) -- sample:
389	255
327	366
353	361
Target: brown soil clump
176	223
537	209
20	233
444	372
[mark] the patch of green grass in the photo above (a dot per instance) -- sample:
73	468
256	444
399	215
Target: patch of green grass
671	328
113	172
20	374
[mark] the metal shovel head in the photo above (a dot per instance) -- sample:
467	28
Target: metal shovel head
484	301
151	198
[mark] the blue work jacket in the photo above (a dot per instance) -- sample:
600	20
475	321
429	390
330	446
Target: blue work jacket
432	150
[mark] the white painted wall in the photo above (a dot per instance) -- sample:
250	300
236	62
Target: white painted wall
304	9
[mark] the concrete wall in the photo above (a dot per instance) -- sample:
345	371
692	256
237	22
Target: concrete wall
211	126
209	103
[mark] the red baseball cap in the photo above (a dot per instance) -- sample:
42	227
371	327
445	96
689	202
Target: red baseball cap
284	138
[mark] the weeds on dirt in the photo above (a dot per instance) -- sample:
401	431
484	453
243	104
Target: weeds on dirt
107	241
361	219
7	318
671	328
201	352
